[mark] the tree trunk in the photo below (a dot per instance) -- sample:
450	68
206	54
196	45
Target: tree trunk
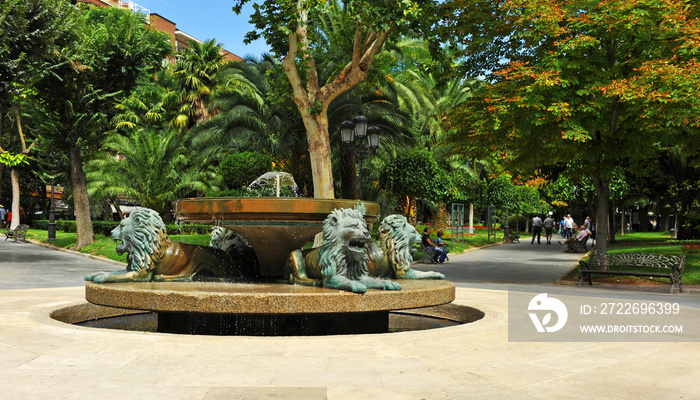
106	210
412	215
622	222
14	178
610	218
402	206
602	189
349	175
471	218
81	202
440	223
319	153
664	221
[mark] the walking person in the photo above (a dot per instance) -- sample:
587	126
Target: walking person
536	229
562	228
2	216
548	228
569	226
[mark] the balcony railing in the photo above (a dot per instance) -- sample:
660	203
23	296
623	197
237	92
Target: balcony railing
135	7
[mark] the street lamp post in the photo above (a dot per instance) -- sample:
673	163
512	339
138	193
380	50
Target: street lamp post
52	217
361	148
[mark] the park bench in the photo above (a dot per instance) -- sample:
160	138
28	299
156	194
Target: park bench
19	233
511	236
634	264
427	254
577	246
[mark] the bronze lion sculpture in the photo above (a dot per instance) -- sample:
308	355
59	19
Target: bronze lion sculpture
342	261
152	256
238	249
392	255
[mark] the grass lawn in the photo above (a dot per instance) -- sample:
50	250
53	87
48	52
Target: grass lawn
651	242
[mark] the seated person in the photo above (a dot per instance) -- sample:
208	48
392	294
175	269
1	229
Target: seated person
582	234
429	245
442	245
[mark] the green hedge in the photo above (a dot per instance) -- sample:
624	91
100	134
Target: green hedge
188	229
42	224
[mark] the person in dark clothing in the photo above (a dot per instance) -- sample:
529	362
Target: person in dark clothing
429	245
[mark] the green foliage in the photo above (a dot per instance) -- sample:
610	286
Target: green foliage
188	229
40	224
241	169
153	168
501	193
416	175
67	226
13	160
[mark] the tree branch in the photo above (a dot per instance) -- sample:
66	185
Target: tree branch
302	33
356	70
290	69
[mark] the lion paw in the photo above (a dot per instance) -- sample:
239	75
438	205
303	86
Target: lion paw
357	287
98	277
391	285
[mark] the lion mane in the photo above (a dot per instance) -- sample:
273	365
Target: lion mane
145	239
392	254
153	256
341	262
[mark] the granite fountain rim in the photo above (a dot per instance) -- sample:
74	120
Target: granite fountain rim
265	298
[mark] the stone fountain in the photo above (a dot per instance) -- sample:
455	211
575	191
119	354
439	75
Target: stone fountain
274	227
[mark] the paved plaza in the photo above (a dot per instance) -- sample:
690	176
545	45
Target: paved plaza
41	358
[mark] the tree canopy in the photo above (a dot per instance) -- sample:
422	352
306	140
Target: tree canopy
598	84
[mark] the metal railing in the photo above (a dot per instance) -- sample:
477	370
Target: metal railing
134	7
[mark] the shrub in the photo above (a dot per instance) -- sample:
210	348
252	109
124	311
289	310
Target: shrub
104	227
40	224
241	169
230	193
67	226
188	229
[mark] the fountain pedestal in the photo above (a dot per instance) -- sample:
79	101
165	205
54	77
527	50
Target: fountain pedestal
267	309
273	226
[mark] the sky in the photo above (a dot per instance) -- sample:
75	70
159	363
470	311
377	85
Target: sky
209	19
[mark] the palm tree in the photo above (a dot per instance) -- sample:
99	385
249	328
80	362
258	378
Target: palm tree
194	72
149	165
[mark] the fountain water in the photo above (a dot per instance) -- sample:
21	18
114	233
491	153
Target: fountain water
276	180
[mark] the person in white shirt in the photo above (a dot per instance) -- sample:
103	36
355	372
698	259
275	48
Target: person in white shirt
569	226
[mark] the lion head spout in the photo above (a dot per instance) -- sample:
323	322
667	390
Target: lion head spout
342	251
142	235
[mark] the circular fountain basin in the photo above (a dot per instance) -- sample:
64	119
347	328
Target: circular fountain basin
273	226
267	309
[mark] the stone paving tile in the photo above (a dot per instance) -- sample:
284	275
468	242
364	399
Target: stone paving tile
362	393
265	393
323	378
